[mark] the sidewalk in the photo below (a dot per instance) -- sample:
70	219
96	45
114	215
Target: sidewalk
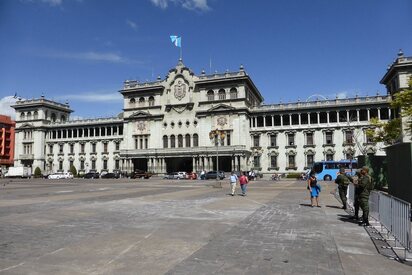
288	236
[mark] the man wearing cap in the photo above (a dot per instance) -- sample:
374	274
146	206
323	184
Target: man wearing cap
365	186
343	181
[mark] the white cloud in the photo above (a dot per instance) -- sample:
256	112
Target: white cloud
5	108
132	24
93	97
53	2
200	5
89	56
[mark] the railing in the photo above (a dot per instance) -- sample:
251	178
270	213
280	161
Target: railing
393	214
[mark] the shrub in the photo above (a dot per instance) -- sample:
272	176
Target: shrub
37	172
293	175
73	171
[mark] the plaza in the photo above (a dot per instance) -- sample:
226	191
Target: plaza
161	226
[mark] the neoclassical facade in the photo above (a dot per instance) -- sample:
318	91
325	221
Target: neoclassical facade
165	126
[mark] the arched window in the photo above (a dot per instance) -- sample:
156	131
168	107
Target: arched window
132	100
165	142
22	116
53	117
28	115
195	140
151	101
180	141
35	115
233	93
222	94
187	140
172	141
141	101
62	118
210	95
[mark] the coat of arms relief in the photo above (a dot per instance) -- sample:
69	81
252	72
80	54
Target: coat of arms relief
180	89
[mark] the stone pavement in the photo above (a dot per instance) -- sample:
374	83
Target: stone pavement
179	227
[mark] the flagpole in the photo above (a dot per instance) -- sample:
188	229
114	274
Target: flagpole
181	58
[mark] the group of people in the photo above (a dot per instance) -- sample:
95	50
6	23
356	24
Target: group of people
243	181
363	186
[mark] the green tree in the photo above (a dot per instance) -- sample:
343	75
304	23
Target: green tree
73	171
391	132
37	172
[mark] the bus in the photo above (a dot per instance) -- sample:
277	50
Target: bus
329	169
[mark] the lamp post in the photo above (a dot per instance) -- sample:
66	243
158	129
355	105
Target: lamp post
217	136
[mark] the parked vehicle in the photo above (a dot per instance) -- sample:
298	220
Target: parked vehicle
18	172
182	175
110	176
92	175
138	174
60	175
192	176
171	176
214	175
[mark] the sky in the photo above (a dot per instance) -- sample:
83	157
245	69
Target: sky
83	50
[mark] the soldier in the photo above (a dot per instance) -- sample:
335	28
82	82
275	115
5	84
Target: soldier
356	202
343	181
365	186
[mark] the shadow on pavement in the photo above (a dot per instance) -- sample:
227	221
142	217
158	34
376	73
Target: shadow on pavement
347	218
334	206
305	204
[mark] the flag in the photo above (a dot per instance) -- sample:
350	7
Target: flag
176	40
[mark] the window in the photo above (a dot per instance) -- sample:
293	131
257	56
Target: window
60	165
228	141
291	139
51	149
222	94
151	101
256	161
172	141
116	164
256	141
62	118
93	164
141	102
165	142
146	142
82	148
195	140
349	137
233	93
105	148
82	165
273	161
309	138
105	164
180	141
117	144
272	141
35	115
71	148
71	164
187	140
210	95
309	160
329	138
61	148
53	117
22	117
132	101
329	156
291	159
93	147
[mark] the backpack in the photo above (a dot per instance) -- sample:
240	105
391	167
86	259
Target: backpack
371	185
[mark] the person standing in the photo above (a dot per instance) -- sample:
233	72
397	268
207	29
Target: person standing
233	180
314	189
365	186
343	181
243	181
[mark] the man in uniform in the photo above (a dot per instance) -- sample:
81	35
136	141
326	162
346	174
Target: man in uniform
343	181
365	186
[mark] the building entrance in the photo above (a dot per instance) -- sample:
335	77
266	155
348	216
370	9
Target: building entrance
179	164
140	164
225	163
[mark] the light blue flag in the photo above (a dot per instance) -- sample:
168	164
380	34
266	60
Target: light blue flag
176	40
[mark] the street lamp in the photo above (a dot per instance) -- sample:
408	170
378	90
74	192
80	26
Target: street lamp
217	136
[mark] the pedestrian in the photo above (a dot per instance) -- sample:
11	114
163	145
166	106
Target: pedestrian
356	202
365	185
202	174
314	189
243	181
343	182
233	180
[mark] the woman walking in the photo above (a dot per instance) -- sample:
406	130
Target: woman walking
314	189
243	181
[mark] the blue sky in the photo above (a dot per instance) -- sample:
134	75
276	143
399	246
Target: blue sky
83	50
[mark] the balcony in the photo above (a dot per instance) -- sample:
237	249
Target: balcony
26	157
309	146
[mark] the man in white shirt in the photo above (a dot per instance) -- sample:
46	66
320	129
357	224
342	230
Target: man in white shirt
233	180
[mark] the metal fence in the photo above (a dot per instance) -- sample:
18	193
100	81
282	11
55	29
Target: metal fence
392	213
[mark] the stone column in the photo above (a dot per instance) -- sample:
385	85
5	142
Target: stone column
379	113
264	121
281	120
368	114
327	117
318	117
347	116
273	121
308	118
389	113
337	117
300	119
290	120
194	163
357	114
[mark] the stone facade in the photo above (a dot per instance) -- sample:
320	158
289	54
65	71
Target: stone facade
165	126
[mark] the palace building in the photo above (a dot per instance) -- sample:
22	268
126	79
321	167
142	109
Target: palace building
170	125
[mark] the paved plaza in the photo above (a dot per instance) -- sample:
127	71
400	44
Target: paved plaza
161	226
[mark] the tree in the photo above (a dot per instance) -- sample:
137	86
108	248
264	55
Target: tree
391	132
73	171
37	172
